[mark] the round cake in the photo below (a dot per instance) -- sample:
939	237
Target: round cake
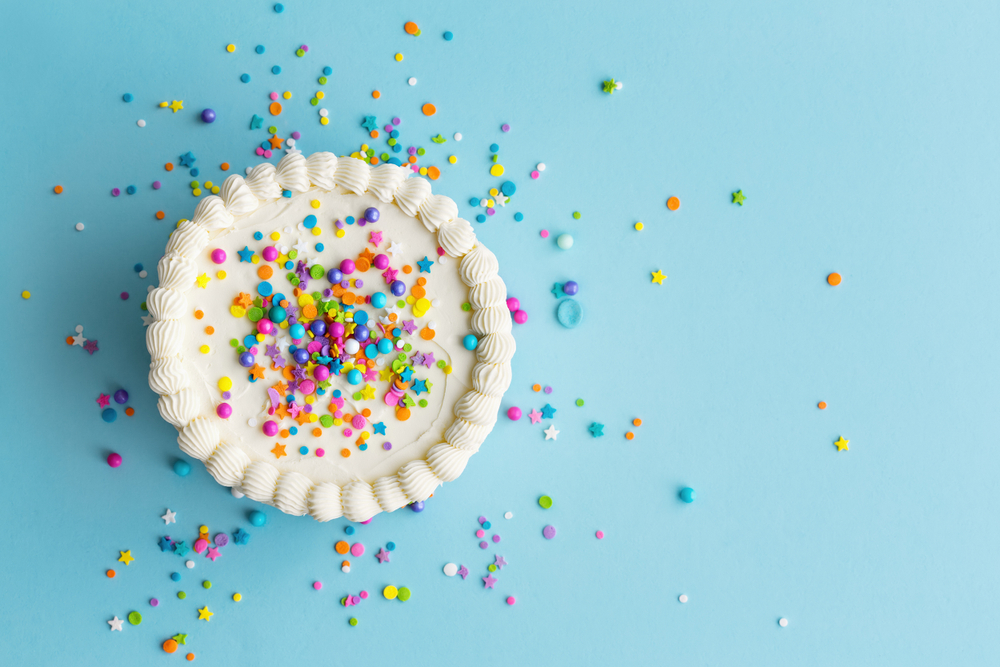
329	337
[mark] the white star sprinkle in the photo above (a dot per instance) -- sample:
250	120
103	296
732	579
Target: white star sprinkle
169	517
300	246
116	624
80	340
551	433
146	320
394	248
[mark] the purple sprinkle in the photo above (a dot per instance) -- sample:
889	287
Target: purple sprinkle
308	408
496	539
226	395
124	296
483	544
482	520
548	390
505	127
412	150
305	48
396	121
362	222
154	602
328	292
387	128
346	284
386	446
115	192
359	283
296	135
549	532
221	539
156	185
340	224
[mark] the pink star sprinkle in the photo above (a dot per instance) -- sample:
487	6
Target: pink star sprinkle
102	400
375	238
213	553
535	416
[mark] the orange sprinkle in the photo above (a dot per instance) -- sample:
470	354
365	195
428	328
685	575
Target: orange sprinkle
190	657
429	109
418	291
296	291
58	189
407	268
111	574
168	167
411	28
833	279
348	298
362	265
160	215
673	203
376	95
284	433
210	330
412	159
265	272
373	134
69	340
536	387
366	413
373	160
130	411
636	422
403	414
275	108
393	317
317	432
821	405
309	311
629	435
170	646
341	547
345	452
224	166
421	281
345	563
198	314
283	303
427	334
286	372
433	173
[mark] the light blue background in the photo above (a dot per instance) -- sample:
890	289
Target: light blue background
865	137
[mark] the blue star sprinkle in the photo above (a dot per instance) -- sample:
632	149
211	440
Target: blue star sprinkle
241	536
166	544
420	386
425	265
557	290
596	430
370	123
548	412
379	428
187	160
246	254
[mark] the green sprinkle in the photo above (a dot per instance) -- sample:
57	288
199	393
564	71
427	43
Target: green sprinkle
403	594
314	101
422	403
206	584
545	502
255	314
322	80
142	306
492	568
135	618
326	420
576	215
181	595
466	307
316	272
353	621
272	129
579	402
357	396
292	254
233	342
442	363
421	151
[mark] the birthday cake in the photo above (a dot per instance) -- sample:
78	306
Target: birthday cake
329	337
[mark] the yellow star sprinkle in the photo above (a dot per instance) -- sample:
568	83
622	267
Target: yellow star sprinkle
842	444
126	557
202	280
368	392
658	277
204	614
385	375
176	106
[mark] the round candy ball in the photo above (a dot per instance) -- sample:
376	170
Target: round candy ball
336	329
218	256
277	314
347	266
687	494
265	326
307	387
258	518
570	288
565	241
351	346
361	333
354	376
318	327
297	331
514	413
417	506
270	253
270	428
371	214
513	304
301	355
321	373
398	288
246	360
381	262
109	415
121	397
521	316
224	410
208	116
182	468
385	346
378	299
470	342
334	275
114	459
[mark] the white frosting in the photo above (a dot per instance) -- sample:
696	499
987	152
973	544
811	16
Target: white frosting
434	445
292	173
238	197
321	168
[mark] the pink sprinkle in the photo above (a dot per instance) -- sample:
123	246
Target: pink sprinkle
260	151
115	192
535	174
200	545
545	233
348	433
364	595
114	459
482	520
440	251
154	602
320	452
267	154
511	600
521	316
305	48
224	410
124	296
365	523
600	534
156	185
483	545
514	413
218	256
480	533
395	121
273	96
317	585
490	211
357	549
505	127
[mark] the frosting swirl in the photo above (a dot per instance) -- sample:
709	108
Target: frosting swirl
447	462
164	339
491	379
493	292
292	493
437	210
478	408
411	194
456	237
165	304
324	502
198	439
466	435
187	240
495	319
389	493
167	376
178	409
259	481
359	501
352	175
386	178
211	214
237	196
321	167
226	464
478	266
496	348
292	173
417	480
176	272
261	182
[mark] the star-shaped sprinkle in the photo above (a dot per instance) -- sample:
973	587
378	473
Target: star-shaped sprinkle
187	160
257	372
275	142
658	277
439	139
168	518
406	374
146	320
379	428
425	265
241	536
176	106
202	280
375	238
489	580
204	614
417	359
126	557
278	451
116	624
557	290
368	393
548	412
181	549
102	401
428	359
369	123
420	386
389	275
245	256
410	327
166	545
596	430
739	197
90	346
551	432
302	418
394	248
463	572
609	86
79	340
500	562
213	553
382	555
535	416
180	639
842	444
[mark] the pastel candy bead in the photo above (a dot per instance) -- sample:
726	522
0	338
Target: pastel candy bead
569	313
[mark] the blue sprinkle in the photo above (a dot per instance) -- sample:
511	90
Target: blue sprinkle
394	134
448	36
363	447
473	202
494	148
349	530
266	146
303	450
508	188
310	221
320	247
349	220
569	313
176	576
127	97
287	194
395	160
396	149
336	393
289	265
109	415
294	430
391	546
487	525
480	218
245	78
278	8
195	171
327	70
137	267
519	217
276	69
260	48
257	236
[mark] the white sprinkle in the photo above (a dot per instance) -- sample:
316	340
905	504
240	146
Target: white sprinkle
140	123
346	568
79	328
783	622
412	81
682	598
236	494
432	325
458	136
189	564
484	202
436	302
618	85
541	166
149	288
79	226
252	422
324	113
508	515
143	274
443	259
249	169
450	570
290	142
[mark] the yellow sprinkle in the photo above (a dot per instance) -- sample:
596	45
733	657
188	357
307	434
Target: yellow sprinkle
208	184
313	417
284	325
204	349
496	170
356	154
275	236
225	384
221	275
287	95
255	259
447	370
237	597
215	189
317	231
314	203
410	300
494	192
423	171
491	203
337	421
310	399
341	233
237	311
282	258
324	120
390	592
196	192
25	294
452	159
164	105
638	226
231	48
364	147
399	57
365	435
305	299
260	338
320	94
